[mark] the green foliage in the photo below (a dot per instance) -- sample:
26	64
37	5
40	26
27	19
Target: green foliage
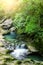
19	23
38	41
33	25
29	20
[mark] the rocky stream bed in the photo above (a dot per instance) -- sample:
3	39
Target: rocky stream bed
7	37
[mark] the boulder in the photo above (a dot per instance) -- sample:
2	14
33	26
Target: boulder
7	24
32	49
12	29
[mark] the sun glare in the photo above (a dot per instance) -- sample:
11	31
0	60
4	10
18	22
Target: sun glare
8	5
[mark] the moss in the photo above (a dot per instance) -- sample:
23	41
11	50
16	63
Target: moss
1	45
19	62
26	60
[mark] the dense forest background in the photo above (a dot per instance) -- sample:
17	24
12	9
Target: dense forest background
28	20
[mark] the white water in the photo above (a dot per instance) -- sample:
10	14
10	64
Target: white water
20	53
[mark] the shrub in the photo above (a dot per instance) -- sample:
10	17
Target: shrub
29	20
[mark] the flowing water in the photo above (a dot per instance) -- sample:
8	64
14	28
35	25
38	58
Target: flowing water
12	36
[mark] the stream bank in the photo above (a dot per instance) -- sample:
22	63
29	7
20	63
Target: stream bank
7	38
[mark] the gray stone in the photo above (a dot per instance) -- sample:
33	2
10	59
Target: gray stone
7	23
24	46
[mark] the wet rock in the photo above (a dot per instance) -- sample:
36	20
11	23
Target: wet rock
2	50
5	32
7	24
1	45
12	29
24	46
10	47
32	49
2	31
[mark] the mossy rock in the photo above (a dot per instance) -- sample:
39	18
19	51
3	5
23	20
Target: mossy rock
1	45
